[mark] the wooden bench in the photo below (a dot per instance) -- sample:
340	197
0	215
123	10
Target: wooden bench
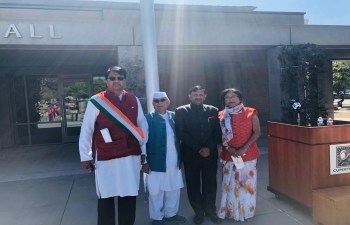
331	206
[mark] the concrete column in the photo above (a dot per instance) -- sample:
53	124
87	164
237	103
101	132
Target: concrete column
131	59
275	91
327	88
149	42
7	135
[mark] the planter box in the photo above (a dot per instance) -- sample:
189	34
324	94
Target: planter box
299	159
331	206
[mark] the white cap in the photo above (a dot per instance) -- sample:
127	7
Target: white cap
159	95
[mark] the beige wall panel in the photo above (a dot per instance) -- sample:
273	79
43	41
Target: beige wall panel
121	15
320	35
221	17
216	34
42	14
274	78
71	32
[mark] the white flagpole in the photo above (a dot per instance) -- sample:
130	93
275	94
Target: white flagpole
149	42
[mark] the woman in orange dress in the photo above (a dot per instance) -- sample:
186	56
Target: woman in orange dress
240	130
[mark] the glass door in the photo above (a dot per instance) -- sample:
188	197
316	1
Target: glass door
74	92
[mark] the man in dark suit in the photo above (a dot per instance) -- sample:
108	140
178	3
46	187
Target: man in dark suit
198	128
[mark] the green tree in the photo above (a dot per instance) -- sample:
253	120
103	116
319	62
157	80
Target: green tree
341	76
301	67
49	89
77	90
99	85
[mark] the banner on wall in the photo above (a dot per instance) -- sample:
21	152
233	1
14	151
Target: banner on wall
339	156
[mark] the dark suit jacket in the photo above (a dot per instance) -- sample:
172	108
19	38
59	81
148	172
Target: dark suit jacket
197	127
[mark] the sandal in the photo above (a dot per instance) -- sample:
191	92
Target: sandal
249	219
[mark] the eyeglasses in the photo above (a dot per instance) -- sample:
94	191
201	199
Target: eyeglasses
231	98
159	100
118	78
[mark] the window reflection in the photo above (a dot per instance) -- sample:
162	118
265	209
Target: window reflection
38	111
99	84
46	133
43	99
75	97
36	96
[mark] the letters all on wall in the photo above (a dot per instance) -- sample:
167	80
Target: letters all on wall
13	30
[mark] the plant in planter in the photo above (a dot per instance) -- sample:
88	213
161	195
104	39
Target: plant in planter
301	67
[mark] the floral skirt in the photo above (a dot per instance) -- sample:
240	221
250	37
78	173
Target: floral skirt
238	201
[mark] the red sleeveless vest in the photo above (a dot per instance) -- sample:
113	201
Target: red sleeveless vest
242	130
122	144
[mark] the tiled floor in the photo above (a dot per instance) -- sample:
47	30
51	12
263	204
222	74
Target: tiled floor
45	186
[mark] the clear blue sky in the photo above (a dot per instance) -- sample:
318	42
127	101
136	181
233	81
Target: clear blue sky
318	12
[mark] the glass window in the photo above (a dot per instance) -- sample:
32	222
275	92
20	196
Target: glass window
46	133
75	96
22	135
43	99
99	84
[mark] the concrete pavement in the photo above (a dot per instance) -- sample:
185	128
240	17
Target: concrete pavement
45	186
342	113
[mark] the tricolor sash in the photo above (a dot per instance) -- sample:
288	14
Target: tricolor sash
116	116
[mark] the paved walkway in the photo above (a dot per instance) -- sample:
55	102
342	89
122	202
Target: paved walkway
45	186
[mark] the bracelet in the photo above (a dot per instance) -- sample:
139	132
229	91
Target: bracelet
227	147
248	145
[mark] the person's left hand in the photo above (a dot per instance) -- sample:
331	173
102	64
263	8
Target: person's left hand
146	168
240	152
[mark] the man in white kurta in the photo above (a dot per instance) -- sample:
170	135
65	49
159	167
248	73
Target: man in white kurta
164	179
115	177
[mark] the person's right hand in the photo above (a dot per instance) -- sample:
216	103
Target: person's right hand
146	168
205	152
86	165
231	150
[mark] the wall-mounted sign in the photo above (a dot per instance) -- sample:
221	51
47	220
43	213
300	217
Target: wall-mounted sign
13	30
339	156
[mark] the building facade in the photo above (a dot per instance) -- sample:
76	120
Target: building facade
54	55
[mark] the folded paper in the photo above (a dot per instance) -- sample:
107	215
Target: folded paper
238	162
106	135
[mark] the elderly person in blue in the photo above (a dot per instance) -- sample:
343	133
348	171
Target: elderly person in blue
163	164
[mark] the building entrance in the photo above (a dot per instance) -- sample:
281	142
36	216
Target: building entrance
74	92
48	109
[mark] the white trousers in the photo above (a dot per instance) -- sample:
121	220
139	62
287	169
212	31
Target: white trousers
168	199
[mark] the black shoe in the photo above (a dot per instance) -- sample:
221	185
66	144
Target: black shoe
214	218
198	219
